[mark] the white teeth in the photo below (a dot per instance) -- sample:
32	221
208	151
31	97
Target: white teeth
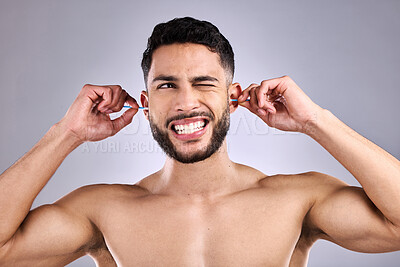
189	128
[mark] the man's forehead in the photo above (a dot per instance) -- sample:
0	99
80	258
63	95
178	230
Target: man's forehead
189	60
184	49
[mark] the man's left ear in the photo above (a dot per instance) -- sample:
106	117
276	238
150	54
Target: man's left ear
144	99
234	91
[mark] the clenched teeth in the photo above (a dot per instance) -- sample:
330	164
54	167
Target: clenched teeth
189	128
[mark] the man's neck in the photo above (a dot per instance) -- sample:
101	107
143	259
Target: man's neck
210	178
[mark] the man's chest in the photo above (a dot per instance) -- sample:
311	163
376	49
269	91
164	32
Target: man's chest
238	232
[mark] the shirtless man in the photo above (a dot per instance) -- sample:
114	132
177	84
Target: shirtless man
200	209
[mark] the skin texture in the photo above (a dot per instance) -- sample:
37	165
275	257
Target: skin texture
211	213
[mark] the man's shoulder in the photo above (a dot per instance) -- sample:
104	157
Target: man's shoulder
89	196
310	181
110	189
295	181
301	191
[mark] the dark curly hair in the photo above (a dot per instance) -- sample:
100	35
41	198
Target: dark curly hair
190	30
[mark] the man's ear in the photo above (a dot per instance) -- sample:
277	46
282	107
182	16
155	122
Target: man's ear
234	91
144	100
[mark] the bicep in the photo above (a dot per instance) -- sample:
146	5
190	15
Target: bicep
346	216
50	235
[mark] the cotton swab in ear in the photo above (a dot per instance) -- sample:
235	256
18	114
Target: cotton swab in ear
139	107
237	100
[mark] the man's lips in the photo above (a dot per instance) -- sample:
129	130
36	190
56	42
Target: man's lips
189	128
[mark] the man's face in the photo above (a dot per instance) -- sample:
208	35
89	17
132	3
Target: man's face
188	101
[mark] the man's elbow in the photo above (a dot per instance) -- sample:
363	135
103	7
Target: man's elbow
394	230
4	248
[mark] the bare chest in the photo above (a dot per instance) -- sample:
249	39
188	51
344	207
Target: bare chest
237	232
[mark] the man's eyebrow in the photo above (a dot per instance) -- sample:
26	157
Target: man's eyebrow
165	78
204	78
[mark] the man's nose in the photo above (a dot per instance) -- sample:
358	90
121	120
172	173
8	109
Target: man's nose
187	99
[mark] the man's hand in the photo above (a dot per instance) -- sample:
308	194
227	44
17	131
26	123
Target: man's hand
281	104
88	117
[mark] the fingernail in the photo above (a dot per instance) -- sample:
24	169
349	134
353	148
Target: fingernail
270	110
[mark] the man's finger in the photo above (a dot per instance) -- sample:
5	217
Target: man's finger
262	99
119	103
253	99
117	92
131	101
274	86
246	92
245	104
123	120
283	86
99	94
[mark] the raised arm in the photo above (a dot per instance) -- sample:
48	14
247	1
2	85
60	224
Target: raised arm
364	219
55	233
367	219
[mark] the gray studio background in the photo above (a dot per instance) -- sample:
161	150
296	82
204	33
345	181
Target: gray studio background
343	54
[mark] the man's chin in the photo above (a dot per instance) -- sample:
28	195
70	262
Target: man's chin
188	158
191	152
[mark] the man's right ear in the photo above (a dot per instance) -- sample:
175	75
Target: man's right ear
144	100
235	90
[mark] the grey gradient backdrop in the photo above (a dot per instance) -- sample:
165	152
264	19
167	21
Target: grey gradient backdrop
343	54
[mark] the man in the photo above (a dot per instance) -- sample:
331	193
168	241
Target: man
200	209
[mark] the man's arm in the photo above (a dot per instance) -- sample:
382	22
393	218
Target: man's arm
364	219
59	232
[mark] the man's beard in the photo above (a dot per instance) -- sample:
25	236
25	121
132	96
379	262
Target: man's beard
218	136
